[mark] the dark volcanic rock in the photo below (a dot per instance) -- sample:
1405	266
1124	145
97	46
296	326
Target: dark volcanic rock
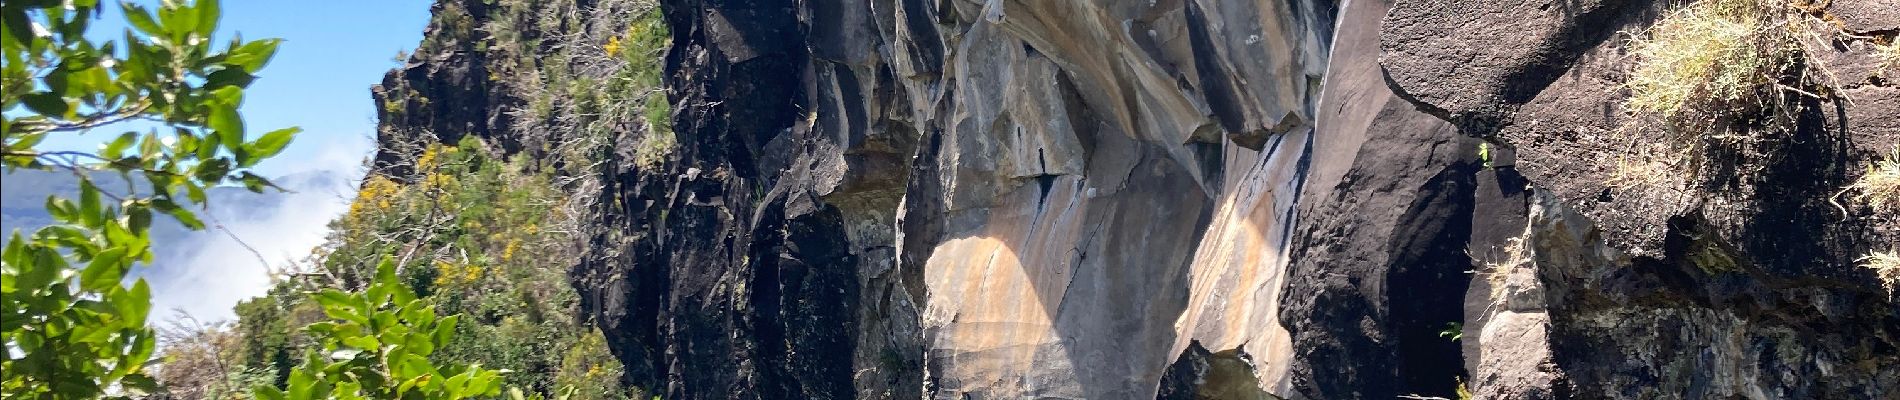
1475	61
713	276
1207	199
1694	290
443	92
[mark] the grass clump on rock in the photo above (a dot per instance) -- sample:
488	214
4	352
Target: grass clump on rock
1886	265
1712	76
1880	187
1711	56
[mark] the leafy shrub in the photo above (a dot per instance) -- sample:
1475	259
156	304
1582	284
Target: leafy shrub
269	332
586	363
377	346
200	361
1880	189
474	236
449	25
647	39
588	74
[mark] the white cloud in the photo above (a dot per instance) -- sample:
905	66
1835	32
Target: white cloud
215	272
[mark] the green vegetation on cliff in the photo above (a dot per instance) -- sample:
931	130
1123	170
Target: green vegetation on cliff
478	238
482	230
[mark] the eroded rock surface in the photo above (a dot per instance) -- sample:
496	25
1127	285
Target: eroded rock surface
1201	199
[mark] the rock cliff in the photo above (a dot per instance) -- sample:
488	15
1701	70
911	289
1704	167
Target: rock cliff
1185	199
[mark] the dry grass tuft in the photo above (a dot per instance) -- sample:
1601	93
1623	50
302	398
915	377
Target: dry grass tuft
1707	74
1880	187
1496	268
1886	265
1891	54
1711	54
1638	168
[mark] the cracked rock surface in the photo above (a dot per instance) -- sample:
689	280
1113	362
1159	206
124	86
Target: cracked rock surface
1209	199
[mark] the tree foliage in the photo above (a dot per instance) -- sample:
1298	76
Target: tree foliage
377	346
73	329
469	235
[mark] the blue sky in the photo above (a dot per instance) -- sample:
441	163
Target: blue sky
333	51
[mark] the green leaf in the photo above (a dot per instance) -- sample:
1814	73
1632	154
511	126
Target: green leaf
18	26
224	120
184	216
89	209
232	77
187	143
141	382
67	235
116	149
149	147
207	17
44	269
257	184
213	171
415	365
273	142
105	270
23	142
194	193
137	217
61	209
253	55
209	146
178	21
332	298
141	18
445	329
386	272
48	104
139	305
267	392
56	81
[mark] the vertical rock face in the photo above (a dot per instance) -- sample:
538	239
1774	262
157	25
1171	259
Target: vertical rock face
1204	199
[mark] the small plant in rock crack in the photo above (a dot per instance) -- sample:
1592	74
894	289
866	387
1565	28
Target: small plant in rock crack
1453	331
1890	55
1484	154
1711	55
